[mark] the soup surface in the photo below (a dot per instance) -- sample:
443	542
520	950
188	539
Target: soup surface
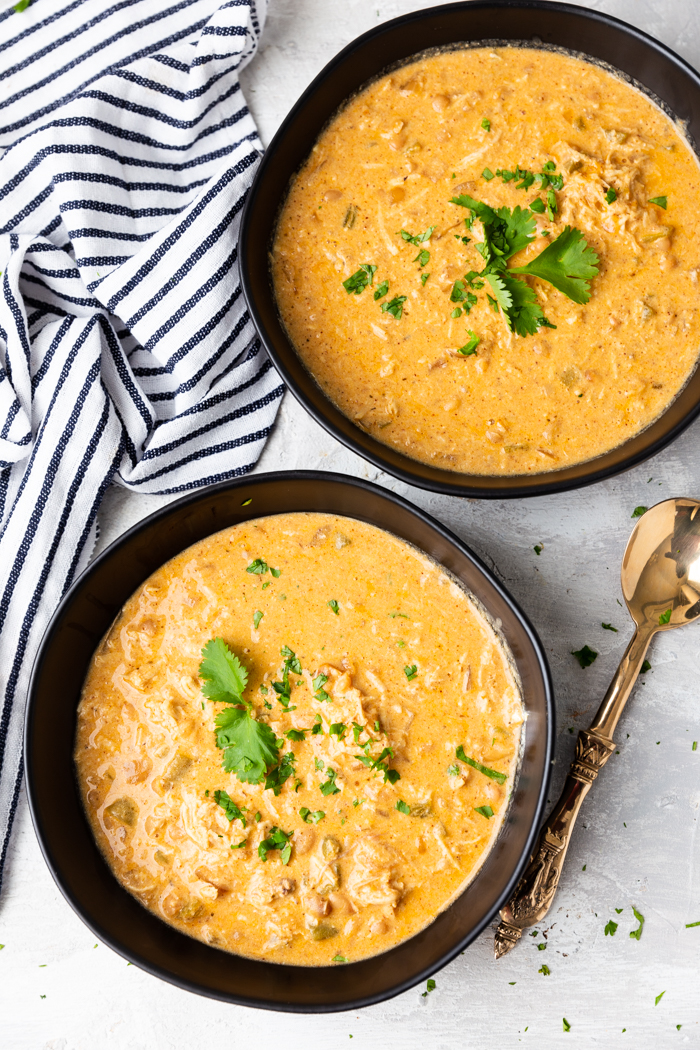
390	292
370	753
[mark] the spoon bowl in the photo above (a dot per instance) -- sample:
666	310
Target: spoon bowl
661	566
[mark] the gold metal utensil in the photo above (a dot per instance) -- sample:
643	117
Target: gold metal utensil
661	584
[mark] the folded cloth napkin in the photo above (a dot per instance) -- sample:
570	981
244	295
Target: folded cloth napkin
127	354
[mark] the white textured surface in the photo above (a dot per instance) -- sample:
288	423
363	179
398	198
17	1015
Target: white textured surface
638	831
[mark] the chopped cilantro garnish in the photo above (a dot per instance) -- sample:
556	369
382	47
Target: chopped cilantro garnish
403	807
338	729
295	734
567	1026
317	727
410	670
665	617
423	257
459	294
486	124
542	946
319	764
284	688
247	502
487	174
333	606
356	730
610	928
457	312
585	656
278	776
393	615
660	202
638	511
232	811
340	959
429	987
258	566
636	934
611	196
318	683
500	778
329	786
493	303
469	347
279	840
537	549
276	572
417	239
360	279
240	845
609	627
381	290
659	997
257	617
423	278
453	770
537	205
395	306
485	811
311	818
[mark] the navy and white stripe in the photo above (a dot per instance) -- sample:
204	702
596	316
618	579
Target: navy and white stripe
126	351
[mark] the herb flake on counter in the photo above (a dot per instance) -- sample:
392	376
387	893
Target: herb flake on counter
20	6
276	840
257	617
638	511
609	627
585	656
410	670
403	807
542	946
646	666
537	549
665	617
361	279
430	986
695	746
660	202
688	926
500	778
659	997
567	1026
311	818
636	934
333	606
394	306
232	811
485	811
610	928
381	290
544	969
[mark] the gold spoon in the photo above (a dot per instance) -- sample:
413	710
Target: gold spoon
661	584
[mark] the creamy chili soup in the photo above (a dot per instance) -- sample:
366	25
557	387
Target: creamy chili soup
298	740
395	256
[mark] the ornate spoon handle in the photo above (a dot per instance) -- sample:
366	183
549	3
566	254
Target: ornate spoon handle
535	891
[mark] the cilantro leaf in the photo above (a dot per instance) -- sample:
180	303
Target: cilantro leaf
358	281
257	617
395	306
609	627
249	746
403	807
333	606
311	818
329	786
423	257
417	239
258	567
519	304
544	969
492	773
585	656
660	202
410	670
232	811
279	840
430	986
486	124
485	811
469	347
638	511
568	263
665	617
610	928
295	734
224	675
381	290
611	196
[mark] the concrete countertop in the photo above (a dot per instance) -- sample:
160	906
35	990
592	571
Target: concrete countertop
636	841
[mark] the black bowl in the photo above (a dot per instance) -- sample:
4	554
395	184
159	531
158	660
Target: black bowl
65	836
590	33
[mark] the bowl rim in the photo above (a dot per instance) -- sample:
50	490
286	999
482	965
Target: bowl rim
248	484
385	457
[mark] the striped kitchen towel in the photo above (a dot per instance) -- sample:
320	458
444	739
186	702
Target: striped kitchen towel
127	354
